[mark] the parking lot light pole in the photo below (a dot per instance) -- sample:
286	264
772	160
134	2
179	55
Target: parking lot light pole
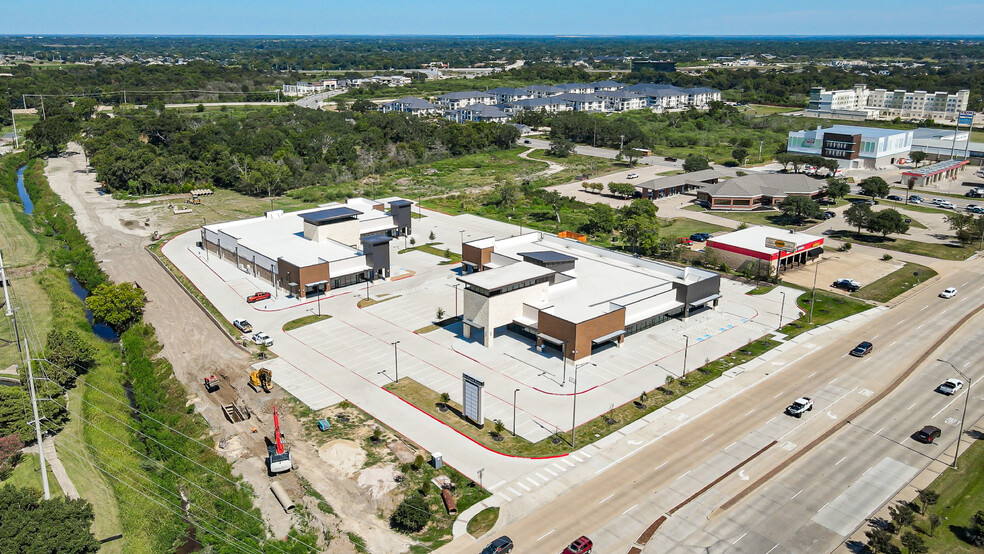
456	285
396	362
563	356
515	392
781	308
686	347
574	408
964	416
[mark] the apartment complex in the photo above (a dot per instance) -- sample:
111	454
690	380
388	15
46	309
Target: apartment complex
853	147
861	103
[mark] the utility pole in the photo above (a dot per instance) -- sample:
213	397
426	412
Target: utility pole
14	122
37	423
813	293
3	282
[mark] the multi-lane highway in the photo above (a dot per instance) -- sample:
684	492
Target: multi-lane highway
801	508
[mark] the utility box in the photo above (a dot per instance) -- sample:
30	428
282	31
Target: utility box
437	460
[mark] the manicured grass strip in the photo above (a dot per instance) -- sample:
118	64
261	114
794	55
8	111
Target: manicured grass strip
895	283
942	250
431	248
961	493
684	227
483	522
27	473
828	307
366	302
306	320
762	289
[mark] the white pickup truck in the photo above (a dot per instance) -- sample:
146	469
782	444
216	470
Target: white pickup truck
800	406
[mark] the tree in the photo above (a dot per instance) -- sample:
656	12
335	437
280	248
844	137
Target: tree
695	162
977	528
67	350
362	105
914	543
874	186
118	305
10	453
440	314
560	148
928	498
14	406
601	220
445	398
887	222
739	154
858	215
621	189
837	188
556	201
800	207
30	524
934	521
631	152
507	195
411	515
902	516
880	541
918	157
49	136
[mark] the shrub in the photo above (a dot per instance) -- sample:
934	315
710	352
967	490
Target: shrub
411	515
431	235
886	257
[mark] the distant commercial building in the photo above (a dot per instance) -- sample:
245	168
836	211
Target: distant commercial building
311	251
944	144
577	298
862	103
853	147
303	88
661	187
758	190
760	249
931	174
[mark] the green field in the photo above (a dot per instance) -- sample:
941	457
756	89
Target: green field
941	250
27	473
684	227
762	109
772	218
24	123
20	247
895	283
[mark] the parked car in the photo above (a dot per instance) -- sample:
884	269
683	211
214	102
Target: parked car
686	240
705	236
948	293
829	215
914	199
527	141
258	296
800	406
868	201
928	434
582	545
862	350
242	325
950	386
699	237
262	338
632	176
976	210
826	201
849	285
895	198
501	545
937	201
670	158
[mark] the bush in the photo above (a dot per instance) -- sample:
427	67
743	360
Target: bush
886	257
731	163
411	515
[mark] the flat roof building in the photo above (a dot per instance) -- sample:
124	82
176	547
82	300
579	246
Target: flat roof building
934	173
764	250
564	294
311	251
853	147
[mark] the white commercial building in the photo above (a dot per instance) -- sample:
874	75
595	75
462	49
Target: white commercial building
853	147
862	103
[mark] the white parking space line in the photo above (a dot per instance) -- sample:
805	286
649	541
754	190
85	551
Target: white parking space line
531	480
910	407
630	509
547	469
514	492
773	548
568	463
606	498
522	484
585	454
499	484
561	468
545	479
739	538
576	458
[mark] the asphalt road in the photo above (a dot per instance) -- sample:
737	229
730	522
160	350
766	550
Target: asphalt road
600	152
616	506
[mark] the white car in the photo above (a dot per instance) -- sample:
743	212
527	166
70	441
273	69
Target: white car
948	293
945	204
632	176
950	386
262	338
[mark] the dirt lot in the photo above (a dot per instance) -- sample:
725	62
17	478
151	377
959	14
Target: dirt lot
118	233
862	267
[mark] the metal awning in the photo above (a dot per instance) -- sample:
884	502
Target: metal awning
292	284
548	338
814	252
316	284
608	337
705	300
471	323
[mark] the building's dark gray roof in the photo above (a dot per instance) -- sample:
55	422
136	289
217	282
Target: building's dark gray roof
607	84
776	185
619	94
536	102
464	94
376	239
544	88
399	203
650	89
695	177
572	86
579	97
484	110
321	217
547	256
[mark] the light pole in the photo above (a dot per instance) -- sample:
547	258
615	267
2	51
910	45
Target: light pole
686	347
204	243
574	408
813	293
781	307
563	356
964	416
515	392
396	362
456	285
462	234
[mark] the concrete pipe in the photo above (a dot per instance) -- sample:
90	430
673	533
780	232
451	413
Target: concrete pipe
282	497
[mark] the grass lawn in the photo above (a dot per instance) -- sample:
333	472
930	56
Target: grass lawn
224	205
925	208
895	283
761	289
366	302
943	251
29	297
762	109
431	248
27	473
483	522
828	307
684	227
20	247
577	164
302	321
24	122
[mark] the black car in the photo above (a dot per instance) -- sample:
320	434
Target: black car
699	237
928	434
829	215
849	285
501	545
895	198
862	350
867	201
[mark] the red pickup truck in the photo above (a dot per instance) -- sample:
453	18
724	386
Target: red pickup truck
258	296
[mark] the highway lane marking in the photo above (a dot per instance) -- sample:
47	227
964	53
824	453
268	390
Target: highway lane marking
966	364
910	407
965	284
899	323
923	308
821	509
606	498
832	380
499	484
811	375
893	343
920	327
682	476
730	445
771	420
840	460
844	356
707	437
546	535
739	538
773	548
547	469
875	337
797	494
522	484
660	465
878	432
531	480
944	311
750	411
947	406
778	395
630	509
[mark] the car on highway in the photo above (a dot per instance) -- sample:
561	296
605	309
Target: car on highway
262	338
895	198
946	204
800	406
829	215
582	545
928	434
975	209
242	325
501	545
948	293
258	296
850	285
914	199
950	386
862	349
970	207
632	176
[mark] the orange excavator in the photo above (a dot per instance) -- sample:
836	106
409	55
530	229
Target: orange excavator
279	456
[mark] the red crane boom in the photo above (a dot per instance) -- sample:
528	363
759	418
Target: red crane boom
276	431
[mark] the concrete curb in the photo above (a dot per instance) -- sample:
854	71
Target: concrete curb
460	525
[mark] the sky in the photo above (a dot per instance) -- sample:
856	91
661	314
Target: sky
469	17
